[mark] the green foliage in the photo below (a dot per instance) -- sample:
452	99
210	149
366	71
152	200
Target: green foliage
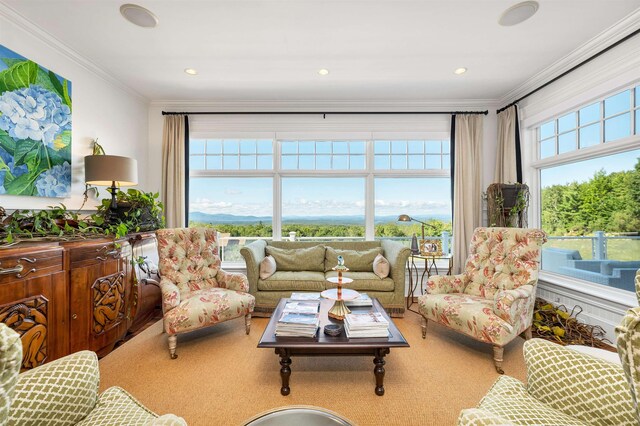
609	203
20	74
54	222
137	211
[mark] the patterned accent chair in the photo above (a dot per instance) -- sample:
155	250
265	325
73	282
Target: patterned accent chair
566	387
493	300
65	392
196	292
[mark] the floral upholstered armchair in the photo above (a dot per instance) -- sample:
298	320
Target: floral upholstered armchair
196	292
493	300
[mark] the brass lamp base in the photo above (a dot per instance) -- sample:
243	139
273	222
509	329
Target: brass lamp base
339	310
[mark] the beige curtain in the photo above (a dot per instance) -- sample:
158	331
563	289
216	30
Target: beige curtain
173	170
506	171
467	192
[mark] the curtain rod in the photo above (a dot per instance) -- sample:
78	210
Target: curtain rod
319	113
589	59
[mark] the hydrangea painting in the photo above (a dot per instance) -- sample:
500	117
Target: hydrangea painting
35	129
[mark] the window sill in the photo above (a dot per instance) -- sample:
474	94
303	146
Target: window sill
622	297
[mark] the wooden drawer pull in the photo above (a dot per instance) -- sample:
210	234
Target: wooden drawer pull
113	253
18	268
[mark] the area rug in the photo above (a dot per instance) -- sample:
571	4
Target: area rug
221	378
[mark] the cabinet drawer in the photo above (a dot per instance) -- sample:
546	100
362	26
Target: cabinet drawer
82	256
21	264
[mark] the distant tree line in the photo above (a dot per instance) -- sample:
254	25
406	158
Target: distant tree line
606	202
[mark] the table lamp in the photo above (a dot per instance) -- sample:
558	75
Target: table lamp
407	218
112	171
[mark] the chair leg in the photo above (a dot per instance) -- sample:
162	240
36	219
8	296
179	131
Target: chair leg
173	342
498	351
528	333
247	323
423	324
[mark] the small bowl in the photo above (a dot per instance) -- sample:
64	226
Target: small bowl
333	329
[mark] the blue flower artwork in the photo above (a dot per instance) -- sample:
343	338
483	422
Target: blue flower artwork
35	129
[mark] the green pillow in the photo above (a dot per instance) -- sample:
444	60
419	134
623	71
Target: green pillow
355	260
302	259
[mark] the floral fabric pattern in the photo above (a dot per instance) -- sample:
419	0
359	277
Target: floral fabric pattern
493	299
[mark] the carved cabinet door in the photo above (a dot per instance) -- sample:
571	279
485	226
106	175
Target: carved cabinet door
34	301
100	289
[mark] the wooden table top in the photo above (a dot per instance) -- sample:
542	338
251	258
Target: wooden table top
321	340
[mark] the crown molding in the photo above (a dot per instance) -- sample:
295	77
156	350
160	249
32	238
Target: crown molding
13	16
333	105
603	40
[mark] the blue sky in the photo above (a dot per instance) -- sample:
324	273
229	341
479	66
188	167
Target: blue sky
584	170
320	196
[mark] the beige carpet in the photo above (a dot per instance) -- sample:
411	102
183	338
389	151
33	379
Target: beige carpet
221	378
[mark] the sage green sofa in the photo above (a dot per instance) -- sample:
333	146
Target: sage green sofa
309	265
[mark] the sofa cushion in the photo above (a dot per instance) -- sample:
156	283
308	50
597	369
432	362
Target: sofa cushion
607	266
363	281
299	259
293	281
355	260
267	267
116	406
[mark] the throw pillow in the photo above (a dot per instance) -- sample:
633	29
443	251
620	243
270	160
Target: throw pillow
298	259
267	267
355	260
381	266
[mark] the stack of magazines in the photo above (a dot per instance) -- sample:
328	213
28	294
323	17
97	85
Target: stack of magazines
362	300
366	324
299	319
305	296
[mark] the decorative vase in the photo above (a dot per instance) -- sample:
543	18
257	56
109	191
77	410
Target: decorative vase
414	245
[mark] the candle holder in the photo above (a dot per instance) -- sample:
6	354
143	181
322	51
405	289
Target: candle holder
339	310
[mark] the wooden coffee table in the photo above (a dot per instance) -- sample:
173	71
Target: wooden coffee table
324	345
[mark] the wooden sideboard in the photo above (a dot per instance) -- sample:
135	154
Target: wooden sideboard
65	297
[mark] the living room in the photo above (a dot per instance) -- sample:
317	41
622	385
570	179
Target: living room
374	128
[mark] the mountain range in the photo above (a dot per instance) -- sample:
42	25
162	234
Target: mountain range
342	220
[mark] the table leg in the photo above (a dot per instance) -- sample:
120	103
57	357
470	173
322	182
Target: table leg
379	369
285	371
413	283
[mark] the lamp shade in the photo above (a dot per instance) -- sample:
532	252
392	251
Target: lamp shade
105	169
404	218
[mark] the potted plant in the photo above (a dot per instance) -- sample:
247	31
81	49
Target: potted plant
507	204
136	211
56	221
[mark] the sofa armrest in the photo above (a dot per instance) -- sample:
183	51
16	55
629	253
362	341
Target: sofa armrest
170	294
232	281
64	391
480	417
443	284
555	372
397	255
253	254
627	337
515	305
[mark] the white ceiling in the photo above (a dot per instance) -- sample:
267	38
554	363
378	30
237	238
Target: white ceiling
272	49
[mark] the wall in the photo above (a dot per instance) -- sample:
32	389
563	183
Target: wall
102	108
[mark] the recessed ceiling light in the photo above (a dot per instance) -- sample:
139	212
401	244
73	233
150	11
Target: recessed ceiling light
323	71
191	71
460	70
138	15
518	13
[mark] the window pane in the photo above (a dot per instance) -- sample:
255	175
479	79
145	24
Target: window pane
248	162
446	162
247	146
356	147
314	207
323	162
637	96
196	146
398	147
548	148
398	162
230	162
231	146
433	162
242	206
340	148
306	162
617	127
289	162
214	162
617	103
340	162
547	129
381	147
567	122
196	162
445	147
416	162
214	146
567	142
583	205
590	135
265	146
382	162
289	147
357	162
434	147
638	122
396	196
306	147
265	162
323	147
416	147
590	114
